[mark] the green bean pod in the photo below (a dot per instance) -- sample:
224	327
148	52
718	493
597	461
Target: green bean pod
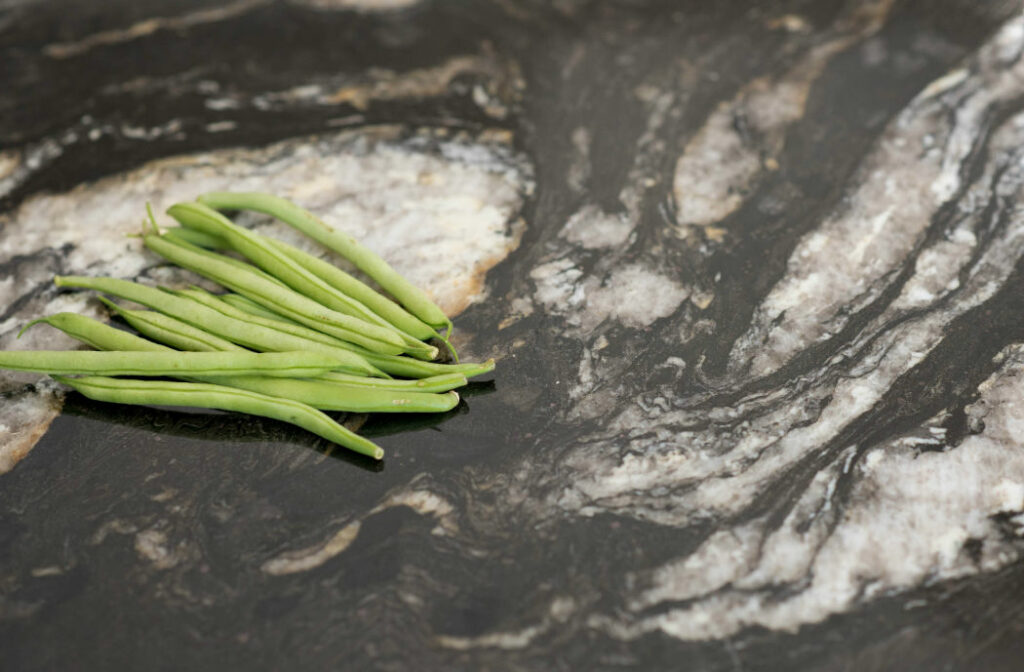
175	333
301	364
206	395
248	305
413	368
440	383
367	261
175	235
402	319
394	365
331	396
262	253
98	335
329	392
242	332
283	324
280	299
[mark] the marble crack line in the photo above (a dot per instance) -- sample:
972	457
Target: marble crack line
704	192
423	502
560	610
62	50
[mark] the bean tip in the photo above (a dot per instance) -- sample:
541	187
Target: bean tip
378	454
30	325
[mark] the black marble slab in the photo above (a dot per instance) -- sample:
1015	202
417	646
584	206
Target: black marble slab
751	272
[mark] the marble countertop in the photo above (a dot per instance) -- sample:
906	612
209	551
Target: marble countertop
752	273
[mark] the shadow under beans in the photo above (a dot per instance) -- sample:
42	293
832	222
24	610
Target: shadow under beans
387	424
212	425
209	425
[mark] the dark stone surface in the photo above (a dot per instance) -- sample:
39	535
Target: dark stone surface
135	538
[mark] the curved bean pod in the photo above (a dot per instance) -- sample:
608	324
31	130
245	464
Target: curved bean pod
175	235
251	307
330	396
165	329
396	366
367	261
242	332
381	305
98	335
205	395
280	299
330	392
441	383
262	253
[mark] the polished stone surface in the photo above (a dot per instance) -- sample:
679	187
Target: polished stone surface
752	272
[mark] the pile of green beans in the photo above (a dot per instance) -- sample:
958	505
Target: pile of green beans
295	336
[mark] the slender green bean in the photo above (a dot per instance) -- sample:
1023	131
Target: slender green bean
330	396
299	364
330	392
283	325
332	275
205	395
413	368
197	238
165	329
396	366
282	300
98	335
441	383
367	261
248	305
242	332
262	253
175	235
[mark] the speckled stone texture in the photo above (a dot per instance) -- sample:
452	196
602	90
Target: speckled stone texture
752	273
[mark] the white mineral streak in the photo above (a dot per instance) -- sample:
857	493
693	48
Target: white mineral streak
594	229
311	558
902	522
907	519
423	502
633	295
842	265
443	217
723	161
359	5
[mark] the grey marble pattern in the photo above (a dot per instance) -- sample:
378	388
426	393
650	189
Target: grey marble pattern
751	272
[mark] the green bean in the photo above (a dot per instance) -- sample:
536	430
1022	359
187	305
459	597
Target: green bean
205	395
407	294
98	335
197	238
330	392
394	365
330	396
441	383
283	325
242	332
248	305
332	275
173	332
262	253
284	364
282	300
412	368
174	235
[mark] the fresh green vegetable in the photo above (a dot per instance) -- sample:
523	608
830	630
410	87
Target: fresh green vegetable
367	261
300	364
237	331
205	395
